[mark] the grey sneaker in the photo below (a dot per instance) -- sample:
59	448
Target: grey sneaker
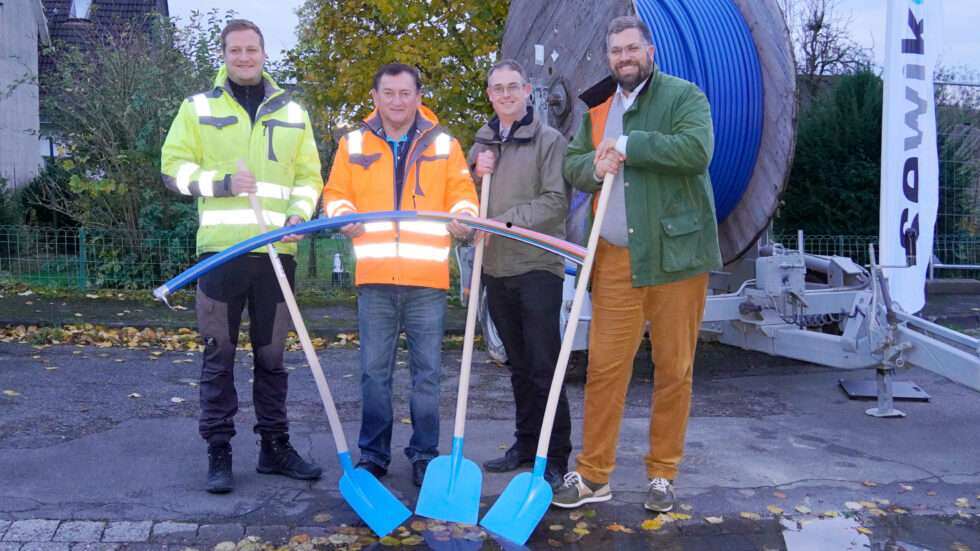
660	496
576	491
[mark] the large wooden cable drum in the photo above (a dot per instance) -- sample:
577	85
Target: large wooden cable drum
737	51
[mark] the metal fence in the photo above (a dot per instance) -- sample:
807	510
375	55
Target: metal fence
84	258
953	256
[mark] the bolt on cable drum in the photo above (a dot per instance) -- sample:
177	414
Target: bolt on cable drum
709	43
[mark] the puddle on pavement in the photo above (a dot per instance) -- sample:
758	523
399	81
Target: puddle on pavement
823	534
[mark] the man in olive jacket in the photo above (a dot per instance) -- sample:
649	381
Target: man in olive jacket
657	244
524	284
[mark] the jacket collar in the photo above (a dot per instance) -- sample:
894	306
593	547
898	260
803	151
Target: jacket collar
425	120
221	82
522	131
603	90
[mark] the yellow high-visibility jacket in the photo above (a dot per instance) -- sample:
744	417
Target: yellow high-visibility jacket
212	132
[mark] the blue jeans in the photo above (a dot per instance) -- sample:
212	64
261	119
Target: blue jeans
383	311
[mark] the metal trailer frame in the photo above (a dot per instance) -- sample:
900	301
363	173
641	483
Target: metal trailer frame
830	311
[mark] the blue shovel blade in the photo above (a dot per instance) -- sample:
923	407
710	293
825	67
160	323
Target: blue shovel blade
376	506
451	490
520	508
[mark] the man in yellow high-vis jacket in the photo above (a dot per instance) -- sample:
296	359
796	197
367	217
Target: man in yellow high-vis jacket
244	136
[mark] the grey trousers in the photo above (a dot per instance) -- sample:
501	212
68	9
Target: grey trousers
222	296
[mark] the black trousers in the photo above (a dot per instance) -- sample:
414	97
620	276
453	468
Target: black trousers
526	311
222	296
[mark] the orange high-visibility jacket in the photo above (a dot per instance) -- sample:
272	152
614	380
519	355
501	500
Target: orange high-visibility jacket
437	179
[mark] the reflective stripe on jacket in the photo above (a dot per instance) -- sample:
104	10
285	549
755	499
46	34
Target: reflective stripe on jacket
209	136
437	179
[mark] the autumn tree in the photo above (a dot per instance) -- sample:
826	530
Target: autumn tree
822	41
343	42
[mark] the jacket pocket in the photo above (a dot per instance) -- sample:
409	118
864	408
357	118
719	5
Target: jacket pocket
680	248
286	140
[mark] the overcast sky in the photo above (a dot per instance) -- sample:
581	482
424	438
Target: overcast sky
961	34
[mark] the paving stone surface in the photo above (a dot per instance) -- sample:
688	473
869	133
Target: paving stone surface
124	531
272	534
46	546
80	531
174	532
220	532
31	530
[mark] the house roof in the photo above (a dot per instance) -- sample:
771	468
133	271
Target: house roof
104	14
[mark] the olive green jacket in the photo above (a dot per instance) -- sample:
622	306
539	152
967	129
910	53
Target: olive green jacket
670	208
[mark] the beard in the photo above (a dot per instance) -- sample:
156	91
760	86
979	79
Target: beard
630	82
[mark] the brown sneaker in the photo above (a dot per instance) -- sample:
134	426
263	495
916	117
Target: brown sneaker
576	491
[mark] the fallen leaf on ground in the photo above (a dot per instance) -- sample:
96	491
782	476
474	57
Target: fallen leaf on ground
135	395
864	530
854	506
322	518
962	503
750	516
774	510
899	511
406	421
803	509
870	484
653	524
418	525
554	543
414	539
51	368
829	514
616	527
905	487
714	520
686	507
575	516
9	392
780	495
931	493
389	541
177	400
343	539
581	531
556	527
957	546
679	516
90	295
868	504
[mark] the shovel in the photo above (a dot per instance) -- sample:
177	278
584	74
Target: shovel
524	501
376	506
452	484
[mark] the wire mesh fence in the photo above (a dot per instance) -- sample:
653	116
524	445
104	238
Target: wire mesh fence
85	258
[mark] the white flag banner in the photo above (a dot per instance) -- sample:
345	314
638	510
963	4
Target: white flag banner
909	155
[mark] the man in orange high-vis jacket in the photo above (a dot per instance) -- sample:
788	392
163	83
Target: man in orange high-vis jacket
400	159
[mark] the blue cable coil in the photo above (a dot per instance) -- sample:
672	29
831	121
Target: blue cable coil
709	43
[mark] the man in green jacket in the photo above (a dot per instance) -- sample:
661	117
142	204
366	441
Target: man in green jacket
657	244
524	285
245	136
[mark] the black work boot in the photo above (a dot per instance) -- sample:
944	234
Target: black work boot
278	456
220	480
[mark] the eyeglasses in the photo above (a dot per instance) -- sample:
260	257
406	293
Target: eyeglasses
631	50
512	89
